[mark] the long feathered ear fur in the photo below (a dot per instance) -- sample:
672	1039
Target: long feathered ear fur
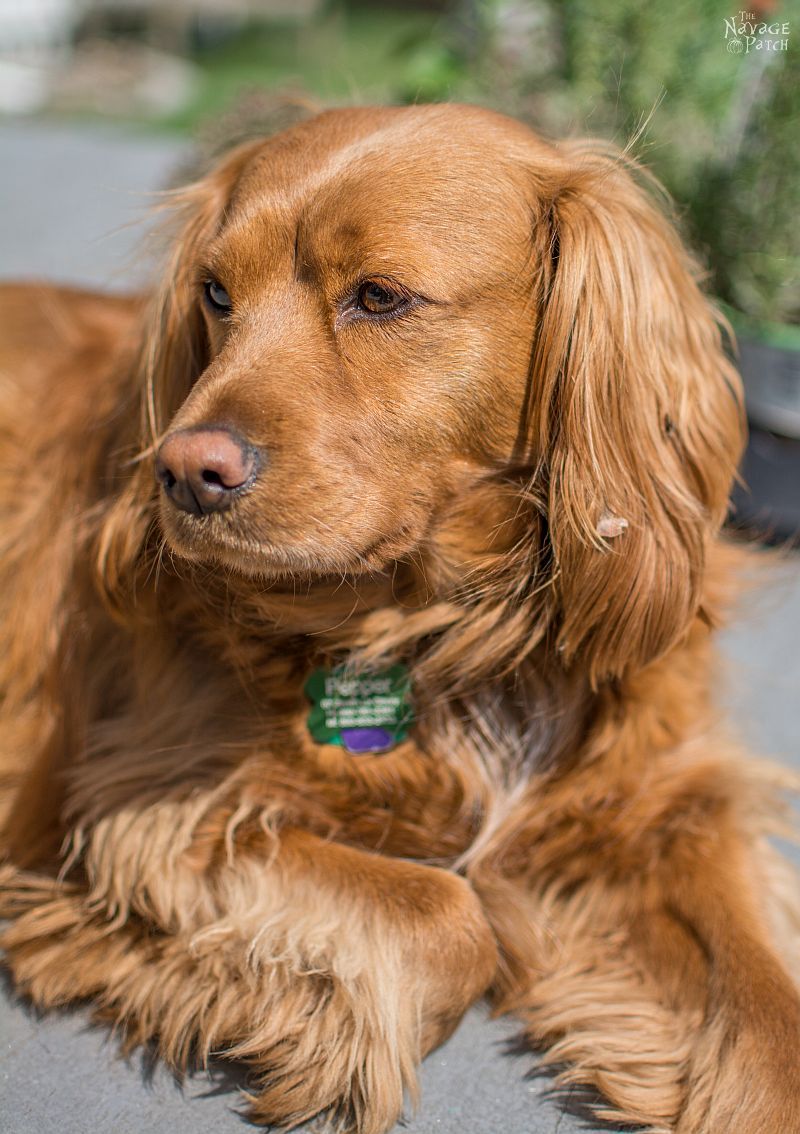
173	353
635	416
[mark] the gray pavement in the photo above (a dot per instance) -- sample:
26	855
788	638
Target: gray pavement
65	192
74	202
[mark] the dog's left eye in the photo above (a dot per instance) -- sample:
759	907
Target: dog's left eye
217	297
379	299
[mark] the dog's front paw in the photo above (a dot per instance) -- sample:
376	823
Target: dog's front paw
322	1051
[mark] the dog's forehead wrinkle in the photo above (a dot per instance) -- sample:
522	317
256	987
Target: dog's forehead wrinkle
376	177
267	187
266	236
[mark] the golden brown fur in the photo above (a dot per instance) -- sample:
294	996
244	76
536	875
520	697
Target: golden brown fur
515	486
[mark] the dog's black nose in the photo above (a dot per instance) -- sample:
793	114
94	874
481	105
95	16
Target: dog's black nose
202	469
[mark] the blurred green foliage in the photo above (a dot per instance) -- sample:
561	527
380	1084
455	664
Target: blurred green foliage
748	210
350	52
721	129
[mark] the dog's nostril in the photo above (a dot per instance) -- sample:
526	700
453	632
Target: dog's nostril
201	469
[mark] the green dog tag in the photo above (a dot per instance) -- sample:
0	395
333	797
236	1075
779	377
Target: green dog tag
362	712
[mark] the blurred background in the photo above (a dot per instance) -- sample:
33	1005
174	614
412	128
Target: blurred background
709	94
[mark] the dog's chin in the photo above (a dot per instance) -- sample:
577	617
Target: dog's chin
308	558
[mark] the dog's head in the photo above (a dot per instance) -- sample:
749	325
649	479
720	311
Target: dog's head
379	312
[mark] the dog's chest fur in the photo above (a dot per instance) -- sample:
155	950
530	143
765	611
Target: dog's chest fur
249	752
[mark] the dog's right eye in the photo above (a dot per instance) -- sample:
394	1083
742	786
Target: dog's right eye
217	297
377	298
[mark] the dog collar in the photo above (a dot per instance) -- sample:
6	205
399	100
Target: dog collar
361	712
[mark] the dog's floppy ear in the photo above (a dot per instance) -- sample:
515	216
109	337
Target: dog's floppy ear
175	350
635	415
172	354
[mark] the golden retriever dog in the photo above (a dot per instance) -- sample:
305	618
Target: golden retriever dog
358	588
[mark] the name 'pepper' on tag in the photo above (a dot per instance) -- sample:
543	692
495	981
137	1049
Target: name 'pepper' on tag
361	712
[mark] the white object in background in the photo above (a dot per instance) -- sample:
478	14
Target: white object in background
37	25
34	36
23	88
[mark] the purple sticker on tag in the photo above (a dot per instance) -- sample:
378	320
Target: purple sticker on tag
363	740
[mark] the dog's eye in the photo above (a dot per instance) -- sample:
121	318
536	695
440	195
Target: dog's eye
379	299
217	297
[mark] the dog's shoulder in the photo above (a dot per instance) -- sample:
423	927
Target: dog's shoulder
67	373
45	327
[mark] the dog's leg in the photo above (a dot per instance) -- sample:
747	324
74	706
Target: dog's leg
744	1071
648	965
329	970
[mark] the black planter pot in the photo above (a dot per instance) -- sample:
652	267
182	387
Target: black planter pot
769	361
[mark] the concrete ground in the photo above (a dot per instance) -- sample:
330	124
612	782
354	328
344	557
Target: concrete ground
66	192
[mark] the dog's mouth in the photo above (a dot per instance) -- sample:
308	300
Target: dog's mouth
316	553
